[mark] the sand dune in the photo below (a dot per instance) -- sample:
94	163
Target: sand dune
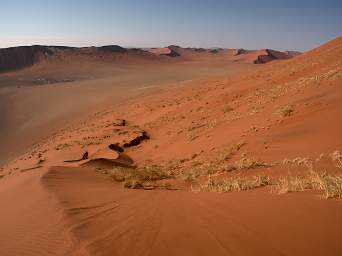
182	223
50	94
34	224
240	55
276	120
15	58
21	57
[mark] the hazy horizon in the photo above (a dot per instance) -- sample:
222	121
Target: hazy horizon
281	25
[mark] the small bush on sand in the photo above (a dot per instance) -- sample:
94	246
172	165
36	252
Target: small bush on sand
235	184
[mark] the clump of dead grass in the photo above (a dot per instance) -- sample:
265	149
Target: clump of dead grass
249	163
192	175
236	184
285	111
330	185
205	170
336	156
306	161
139	178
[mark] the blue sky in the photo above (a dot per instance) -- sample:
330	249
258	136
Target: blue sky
283	25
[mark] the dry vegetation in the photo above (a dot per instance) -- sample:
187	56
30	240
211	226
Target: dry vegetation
331	186
285	111
336	156
328	184
140	178
235	184
249	163
206	169
148	177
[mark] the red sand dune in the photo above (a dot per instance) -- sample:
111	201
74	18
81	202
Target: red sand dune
281	111
167	51
252	56
15	58
260	56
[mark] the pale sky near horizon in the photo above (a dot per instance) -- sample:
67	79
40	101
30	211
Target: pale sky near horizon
283	25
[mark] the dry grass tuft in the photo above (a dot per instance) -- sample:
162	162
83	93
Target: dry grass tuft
140	178
235	184
299	161
285	111
291	184
192	175
331	186
206	169
336	156
248	163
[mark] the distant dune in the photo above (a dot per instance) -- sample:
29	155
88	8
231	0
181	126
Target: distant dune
167	51
268	55
252	56
21	57
15	58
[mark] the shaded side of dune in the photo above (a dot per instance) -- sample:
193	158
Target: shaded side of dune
20	57
272	55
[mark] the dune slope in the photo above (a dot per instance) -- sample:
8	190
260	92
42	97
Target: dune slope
108	220
279	119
